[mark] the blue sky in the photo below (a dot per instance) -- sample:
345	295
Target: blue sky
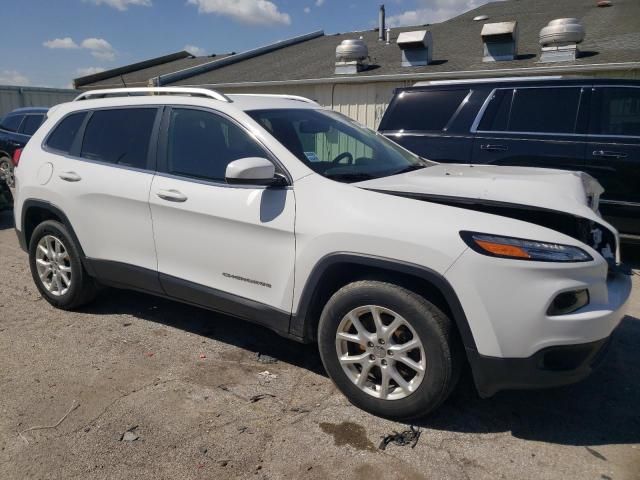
50	42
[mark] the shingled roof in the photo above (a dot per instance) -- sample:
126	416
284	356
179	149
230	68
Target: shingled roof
613	37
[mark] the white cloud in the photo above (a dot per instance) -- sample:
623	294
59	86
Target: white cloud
66	42
196	51
122	5
319	3
307	10
258	12
100	48
84	71
13	77
432	11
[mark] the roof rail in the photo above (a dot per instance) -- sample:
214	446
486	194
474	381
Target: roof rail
278	95
485	80
123	92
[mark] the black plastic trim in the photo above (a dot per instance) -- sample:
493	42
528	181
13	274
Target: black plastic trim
493	374
122	275
300	324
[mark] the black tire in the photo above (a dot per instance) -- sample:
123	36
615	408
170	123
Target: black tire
436	332
82	289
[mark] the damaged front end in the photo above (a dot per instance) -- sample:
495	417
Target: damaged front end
585	230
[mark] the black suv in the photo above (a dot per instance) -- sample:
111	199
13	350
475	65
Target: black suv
591	125
15	131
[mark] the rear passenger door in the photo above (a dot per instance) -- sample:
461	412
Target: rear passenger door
424	122
613	153
534	127
103	163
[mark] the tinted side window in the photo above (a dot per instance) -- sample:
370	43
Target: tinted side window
120	136
202	144
12	122
544	110
65	133
427	110
31	124
619	112
496	115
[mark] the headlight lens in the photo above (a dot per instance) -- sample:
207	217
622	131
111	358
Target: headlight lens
521	249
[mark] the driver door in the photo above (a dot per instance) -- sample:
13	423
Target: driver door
226	247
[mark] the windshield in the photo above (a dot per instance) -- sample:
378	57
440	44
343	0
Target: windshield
335	146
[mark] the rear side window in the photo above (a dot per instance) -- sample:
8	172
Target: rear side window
423	110
496	115
119	136
544	110
31	124
201	144
64	134
619	112
12	122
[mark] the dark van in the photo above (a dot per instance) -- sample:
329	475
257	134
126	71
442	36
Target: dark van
591	125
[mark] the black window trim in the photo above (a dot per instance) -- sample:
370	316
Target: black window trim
599	135
76	145
162	165
474	126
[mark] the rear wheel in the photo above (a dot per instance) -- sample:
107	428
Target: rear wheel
6	171
56	267
389	350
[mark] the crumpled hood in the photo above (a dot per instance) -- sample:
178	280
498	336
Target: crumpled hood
572	192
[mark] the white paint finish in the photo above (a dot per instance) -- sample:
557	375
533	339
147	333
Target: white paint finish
506	302
243	232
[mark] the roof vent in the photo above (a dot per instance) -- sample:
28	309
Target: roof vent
480	18
416	48
559	40
500	41
351	57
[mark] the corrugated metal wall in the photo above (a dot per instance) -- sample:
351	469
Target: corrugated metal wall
16	97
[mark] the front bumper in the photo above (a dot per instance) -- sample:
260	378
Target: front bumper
550	367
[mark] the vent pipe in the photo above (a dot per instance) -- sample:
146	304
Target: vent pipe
381	23
559	40
416	48
500	41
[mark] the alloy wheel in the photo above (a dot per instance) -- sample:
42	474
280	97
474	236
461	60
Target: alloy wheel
54	265
380	352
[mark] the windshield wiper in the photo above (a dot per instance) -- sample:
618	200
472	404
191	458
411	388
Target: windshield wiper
349	177
408	169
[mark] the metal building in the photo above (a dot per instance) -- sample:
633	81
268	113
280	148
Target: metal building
455	49
12	97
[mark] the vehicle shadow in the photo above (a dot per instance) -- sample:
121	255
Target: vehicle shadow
6	219
600	410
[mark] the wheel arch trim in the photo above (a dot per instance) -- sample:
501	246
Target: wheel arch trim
300	323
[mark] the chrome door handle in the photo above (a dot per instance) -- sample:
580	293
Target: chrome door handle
70	177
494	148
172	195
605	154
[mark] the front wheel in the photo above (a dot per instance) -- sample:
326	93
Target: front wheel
389	350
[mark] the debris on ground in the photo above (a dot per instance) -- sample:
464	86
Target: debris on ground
202	356
263	358
74	405
408	437
257	398
148	354
130	435
267	376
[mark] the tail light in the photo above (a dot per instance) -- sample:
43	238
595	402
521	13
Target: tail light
16	156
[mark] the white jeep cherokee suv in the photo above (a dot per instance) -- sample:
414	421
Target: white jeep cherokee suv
277	211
